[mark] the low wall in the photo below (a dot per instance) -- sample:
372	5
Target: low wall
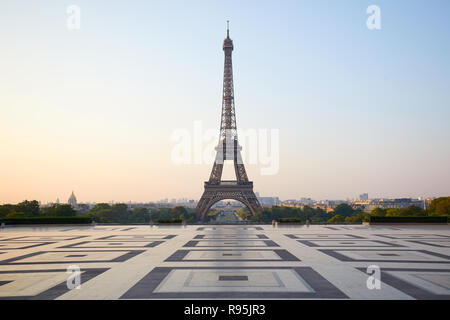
421	220
46	220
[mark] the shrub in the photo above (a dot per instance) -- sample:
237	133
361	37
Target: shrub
174	220
336	219
435	219
440	207
289	220
47	220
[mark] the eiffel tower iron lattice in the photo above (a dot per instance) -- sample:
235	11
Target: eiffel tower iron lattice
228	148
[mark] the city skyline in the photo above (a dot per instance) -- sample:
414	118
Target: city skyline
171	200
93	110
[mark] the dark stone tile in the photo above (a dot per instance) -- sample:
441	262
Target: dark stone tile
233	278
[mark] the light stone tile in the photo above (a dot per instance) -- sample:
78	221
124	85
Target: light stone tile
29	284
235	255
436	282
66	256
208	281
391	255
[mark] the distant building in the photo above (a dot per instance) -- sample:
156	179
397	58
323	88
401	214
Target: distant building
364	196
307	202
401	203
334	203
324	207
227	203
269	201
72	200
191	204
360	204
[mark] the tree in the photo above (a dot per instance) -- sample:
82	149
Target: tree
14	214
336	219
378	212
103	213
59	210
243	213
140	215
267	214
344	210
191	216
100	206
121	213
24	209
178	212
359	217
161	213
393	212
185	214
29	208
439	207
212	215
413	211
6	209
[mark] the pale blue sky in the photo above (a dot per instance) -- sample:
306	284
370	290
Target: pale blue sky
93	110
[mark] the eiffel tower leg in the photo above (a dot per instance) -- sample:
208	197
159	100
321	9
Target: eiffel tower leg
252	202
203	206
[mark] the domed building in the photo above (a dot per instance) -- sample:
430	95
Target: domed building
73	200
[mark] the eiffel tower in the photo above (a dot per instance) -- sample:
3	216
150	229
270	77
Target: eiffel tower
228	148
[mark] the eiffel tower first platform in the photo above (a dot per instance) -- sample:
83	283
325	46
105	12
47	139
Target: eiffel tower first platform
228	148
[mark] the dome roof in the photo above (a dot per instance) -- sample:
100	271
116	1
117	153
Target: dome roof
72	198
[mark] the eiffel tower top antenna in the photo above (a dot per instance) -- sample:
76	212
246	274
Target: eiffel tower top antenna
228	28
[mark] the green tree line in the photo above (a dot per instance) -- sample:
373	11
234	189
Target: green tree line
102	212
345	213
31	209
438	207
120	213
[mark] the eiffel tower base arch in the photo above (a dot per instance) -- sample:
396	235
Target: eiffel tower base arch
227	190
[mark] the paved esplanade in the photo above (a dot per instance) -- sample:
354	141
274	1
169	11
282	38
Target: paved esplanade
232	262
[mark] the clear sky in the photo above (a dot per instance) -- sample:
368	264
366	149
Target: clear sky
93	110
